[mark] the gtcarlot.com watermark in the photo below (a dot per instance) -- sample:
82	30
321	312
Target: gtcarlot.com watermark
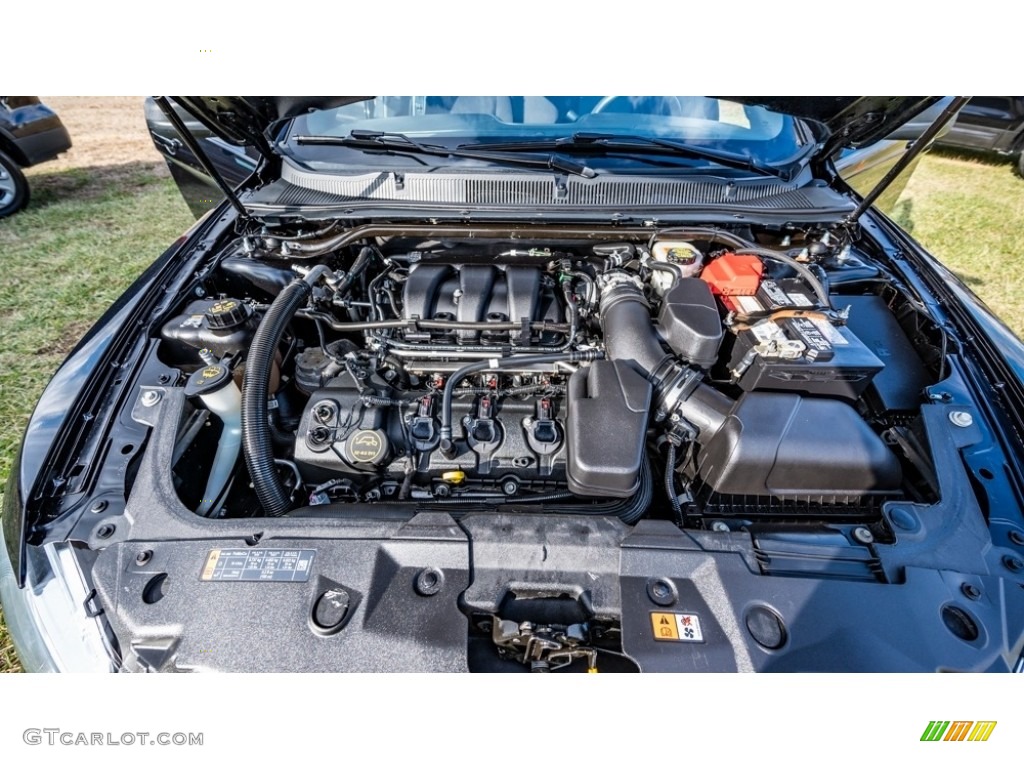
54	737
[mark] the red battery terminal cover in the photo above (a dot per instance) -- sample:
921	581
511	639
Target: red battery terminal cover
733	275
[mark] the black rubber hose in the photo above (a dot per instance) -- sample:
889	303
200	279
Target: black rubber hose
670	486
358	267
279	434
665	266
495	364
705	234
801	269
257	442
630	336
628	331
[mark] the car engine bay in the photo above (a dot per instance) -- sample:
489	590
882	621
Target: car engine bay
704	376
375	412
494	447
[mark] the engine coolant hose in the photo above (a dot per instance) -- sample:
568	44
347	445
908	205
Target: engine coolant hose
257	443
801	269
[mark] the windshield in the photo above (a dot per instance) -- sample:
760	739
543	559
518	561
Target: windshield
767	138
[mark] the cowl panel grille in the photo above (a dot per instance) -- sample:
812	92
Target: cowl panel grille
541	191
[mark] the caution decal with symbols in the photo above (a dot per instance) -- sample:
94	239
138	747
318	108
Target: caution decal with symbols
677	627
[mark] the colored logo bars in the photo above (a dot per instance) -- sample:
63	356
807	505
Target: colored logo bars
958	730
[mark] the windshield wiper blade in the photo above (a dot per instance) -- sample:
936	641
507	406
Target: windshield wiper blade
399	143
590	142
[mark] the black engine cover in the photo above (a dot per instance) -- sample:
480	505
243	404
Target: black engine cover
481	292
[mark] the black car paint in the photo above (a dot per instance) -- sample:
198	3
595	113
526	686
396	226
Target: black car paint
234	163
989	123
31	132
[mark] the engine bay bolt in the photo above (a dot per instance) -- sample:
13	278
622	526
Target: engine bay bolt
150	398
1014	564
429	582
863	535
509	487
144	557
970	591
1017	538
98	506
720	526
661	592
961	418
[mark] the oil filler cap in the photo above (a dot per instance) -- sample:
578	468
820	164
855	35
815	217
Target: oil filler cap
367	446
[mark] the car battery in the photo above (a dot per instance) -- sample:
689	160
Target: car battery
771	296
803	353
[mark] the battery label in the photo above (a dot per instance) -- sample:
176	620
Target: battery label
818	347
258	565
747	304
829	331
767	330
800	300
772	295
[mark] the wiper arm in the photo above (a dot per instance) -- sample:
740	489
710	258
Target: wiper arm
399	143
590	142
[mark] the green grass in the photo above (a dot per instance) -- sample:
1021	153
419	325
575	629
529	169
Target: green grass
8	660
89	233
84	239
969	212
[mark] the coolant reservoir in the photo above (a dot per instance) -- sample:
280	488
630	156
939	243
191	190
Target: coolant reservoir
687	258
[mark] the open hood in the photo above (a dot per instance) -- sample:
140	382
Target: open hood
245	119
848	120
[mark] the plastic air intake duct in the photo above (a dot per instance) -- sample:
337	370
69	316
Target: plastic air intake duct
764	444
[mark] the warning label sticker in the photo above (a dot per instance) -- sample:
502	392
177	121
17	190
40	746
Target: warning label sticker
258	565
747	304
830	331
677	627
767	330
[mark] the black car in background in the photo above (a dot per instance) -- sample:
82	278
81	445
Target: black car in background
30	133
990	124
